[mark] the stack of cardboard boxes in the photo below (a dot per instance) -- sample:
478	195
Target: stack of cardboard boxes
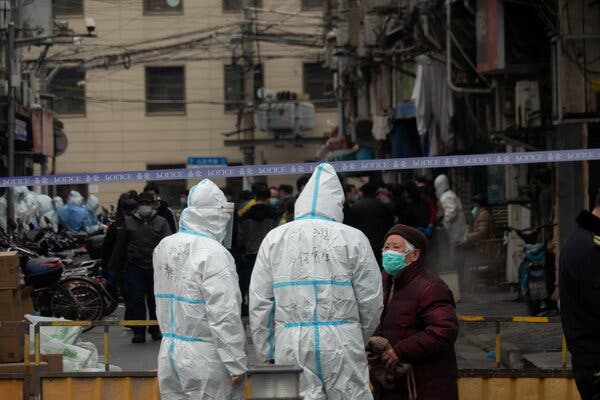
15	302
12	308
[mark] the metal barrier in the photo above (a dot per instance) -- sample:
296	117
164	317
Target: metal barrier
105	323
507	384
474	382
112	323
143	385
12	386
517	319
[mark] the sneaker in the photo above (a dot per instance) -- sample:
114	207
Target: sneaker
156	336
138	339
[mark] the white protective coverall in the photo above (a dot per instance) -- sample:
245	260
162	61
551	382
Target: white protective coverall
198	304
454	220
316	295
58	203
25	208
45	209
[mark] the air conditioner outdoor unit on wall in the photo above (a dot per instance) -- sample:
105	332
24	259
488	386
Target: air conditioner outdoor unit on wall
286	117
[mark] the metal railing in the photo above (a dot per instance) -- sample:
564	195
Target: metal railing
516	319
107	323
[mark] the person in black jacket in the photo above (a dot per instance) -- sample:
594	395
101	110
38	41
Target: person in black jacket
253	226
135	243
372	217
125	208
163	209
580	300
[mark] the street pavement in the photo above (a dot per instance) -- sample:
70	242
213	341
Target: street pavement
473	347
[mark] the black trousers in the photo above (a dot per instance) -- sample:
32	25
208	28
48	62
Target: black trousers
140	293
588	383
245	275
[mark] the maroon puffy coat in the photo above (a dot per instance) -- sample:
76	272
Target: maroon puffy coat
421	324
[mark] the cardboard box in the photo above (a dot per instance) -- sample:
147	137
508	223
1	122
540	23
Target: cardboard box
10	271
11	343
26	300
11	305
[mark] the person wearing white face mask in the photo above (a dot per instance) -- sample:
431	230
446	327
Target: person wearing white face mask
419	321
202	353
315	295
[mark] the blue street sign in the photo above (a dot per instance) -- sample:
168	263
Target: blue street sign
202	161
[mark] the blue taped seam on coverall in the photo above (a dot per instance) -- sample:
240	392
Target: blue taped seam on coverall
313	211
315	323
171	334
314	217
271	331
313	282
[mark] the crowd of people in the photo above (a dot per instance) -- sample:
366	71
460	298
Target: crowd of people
322	273
336	279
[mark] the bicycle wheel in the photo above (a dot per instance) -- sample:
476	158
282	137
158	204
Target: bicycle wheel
110	294
77	299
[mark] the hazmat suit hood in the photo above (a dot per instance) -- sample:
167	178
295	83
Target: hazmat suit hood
58	203
75	199
322	197
205	211
441	184
93	203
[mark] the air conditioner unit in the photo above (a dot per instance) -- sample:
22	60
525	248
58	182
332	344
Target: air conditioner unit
527	104
286	118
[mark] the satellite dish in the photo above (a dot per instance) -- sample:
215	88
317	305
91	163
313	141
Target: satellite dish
173	3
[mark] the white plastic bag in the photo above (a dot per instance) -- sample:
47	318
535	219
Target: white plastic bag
77	355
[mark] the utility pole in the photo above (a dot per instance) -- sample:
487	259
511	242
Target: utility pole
10	125
248	93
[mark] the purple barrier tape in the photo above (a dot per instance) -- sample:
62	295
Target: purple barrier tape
303	168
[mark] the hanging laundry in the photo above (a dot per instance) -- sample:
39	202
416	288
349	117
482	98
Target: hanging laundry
434	106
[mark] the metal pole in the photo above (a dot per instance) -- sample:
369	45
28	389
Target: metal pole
10	126
498	354
248	110
564	351
106	350
44	162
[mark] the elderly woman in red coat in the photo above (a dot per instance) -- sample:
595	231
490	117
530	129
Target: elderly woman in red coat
419	321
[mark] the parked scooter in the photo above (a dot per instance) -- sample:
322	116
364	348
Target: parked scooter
532	274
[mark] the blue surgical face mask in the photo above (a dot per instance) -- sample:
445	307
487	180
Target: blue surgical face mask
386	200
393	261
274	201
356	197
474	211
145	211
183	202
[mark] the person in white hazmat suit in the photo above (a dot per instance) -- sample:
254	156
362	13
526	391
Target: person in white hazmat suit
198	304
454	219
316	295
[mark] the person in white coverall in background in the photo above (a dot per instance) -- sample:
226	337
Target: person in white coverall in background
198	305
316	295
